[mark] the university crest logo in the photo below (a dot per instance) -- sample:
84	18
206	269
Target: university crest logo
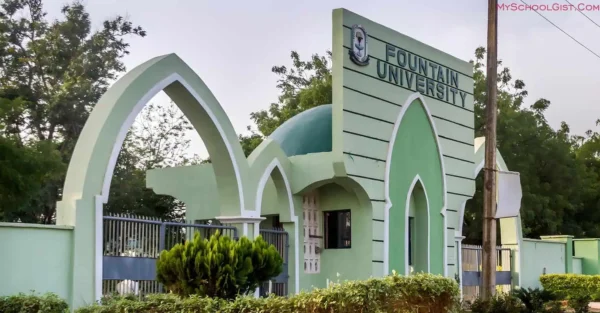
359	53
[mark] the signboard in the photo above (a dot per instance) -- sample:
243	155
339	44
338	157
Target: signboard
509	194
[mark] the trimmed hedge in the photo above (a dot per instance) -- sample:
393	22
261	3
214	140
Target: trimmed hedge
417	293
572	286
32	303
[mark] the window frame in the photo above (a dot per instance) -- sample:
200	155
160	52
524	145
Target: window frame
341	217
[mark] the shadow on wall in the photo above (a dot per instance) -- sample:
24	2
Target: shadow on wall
346	251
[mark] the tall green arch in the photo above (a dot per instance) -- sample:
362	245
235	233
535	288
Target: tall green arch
415	168
91	167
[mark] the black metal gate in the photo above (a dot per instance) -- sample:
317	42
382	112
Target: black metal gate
131	245
278	285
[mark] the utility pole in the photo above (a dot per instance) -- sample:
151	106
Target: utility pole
489	178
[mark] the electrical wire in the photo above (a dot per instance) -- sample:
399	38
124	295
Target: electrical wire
564	32
583	14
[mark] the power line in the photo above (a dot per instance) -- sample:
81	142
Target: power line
564	32
583	14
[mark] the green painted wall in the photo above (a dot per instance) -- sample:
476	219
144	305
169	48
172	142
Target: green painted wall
415	152
36	257
568	241
270	202
589	251
535	253
420	233
195	185
353	263
366	104
577	265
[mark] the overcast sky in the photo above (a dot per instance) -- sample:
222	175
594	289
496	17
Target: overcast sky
232	45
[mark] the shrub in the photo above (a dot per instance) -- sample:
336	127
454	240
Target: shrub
572	286
534	300
500	303
519	301
580	303
218	267
32	303
417	293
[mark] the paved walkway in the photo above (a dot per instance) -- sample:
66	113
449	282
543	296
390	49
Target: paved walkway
595	307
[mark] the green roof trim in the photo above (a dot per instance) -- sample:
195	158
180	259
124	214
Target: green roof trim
307	132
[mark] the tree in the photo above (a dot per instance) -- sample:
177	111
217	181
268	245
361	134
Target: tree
157	139
304	86
23	171
551	176
51	75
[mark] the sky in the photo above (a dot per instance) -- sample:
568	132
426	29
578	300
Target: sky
232	45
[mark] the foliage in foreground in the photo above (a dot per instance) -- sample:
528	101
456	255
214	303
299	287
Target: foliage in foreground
218	267
32	303
520	301
572	287
418	293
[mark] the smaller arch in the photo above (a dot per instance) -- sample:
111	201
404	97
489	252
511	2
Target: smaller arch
417	181
281	182
388	202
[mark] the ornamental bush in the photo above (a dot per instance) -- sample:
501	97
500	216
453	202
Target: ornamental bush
420	293
32	303
218	267
572	286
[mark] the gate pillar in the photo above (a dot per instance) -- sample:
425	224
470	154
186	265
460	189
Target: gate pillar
246	226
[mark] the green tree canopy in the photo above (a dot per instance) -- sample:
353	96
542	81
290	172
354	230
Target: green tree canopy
52	73
551	176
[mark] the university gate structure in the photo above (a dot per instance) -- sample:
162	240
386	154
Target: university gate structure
372	183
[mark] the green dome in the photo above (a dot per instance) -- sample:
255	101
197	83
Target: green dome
307	132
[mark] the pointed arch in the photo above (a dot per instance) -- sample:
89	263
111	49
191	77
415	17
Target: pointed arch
95	154
414	99
417	182
91	167
282	185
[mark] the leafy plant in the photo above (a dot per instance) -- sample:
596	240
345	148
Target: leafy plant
580	303
572	286
534	300
218	267
416	293
32	303
501	303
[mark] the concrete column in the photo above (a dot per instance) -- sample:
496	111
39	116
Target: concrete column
246	226
459	238
511	233
568	240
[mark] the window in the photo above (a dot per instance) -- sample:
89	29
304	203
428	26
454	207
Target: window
411	237
338	233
